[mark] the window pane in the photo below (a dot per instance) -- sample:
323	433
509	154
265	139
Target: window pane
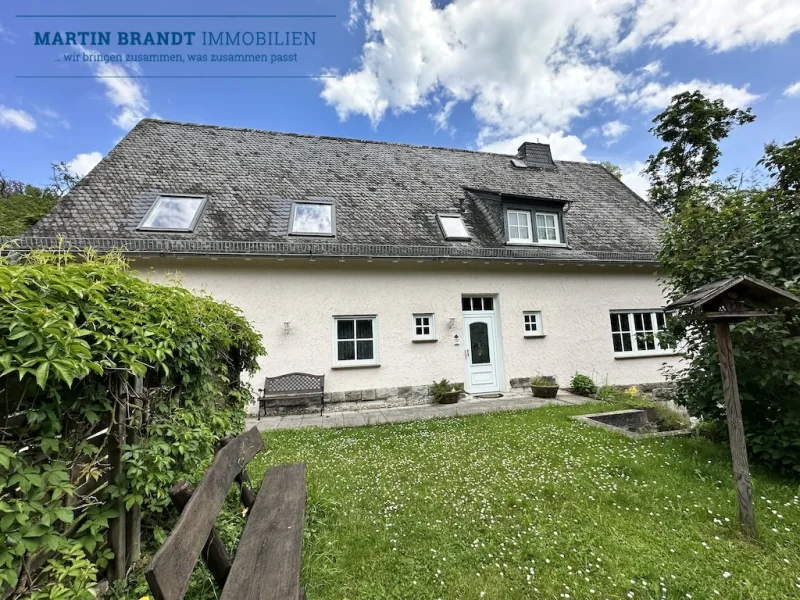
453	227
614	322
344	329
513	232
365	350
419	330
479	343
660	321
172	213
477	304
364	328
648	321
488	303
512	219
466	304
313	218
624	322
617	337
346	350
426	330
637	322
626	343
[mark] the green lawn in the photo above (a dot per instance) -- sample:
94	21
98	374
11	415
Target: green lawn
531	505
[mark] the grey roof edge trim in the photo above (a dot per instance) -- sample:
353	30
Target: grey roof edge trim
235	248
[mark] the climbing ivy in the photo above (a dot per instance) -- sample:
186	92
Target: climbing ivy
69	324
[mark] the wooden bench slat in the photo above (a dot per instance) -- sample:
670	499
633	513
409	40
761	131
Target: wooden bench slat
267	563
170	569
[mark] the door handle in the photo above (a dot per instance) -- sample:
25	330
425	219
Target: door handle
466	353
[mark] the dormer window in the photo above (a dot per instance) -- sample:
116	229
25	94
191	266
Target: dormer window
313	218
533	225
173	213
453	228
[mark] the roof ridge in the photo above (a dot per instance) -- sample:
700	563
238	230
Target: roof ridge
334	137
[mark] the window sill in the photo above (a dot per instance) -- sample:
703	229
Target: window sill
424	341
534	335
662	353
537	245
356	366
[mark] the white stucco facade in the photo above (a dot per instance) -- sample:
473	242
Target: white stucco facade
574	302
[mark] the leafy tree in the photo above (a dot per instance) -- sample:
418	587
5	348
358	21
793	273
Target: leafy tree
691	127
783	163
62	179
21	205
615	170
720	230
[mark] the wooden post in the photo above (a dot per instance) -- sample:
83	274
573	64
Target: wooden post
214	552
134	518
116	439
741	469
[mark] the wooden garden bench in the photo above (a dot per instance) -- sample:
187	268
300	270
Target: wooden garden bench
267	562
292	390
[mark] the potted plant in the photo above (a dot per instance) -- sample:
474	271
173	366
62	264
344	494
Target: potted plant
444	392
544	387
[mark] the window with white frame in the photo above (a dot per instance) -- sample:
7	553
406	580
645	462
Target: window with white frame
636	333
173	213
453	228
519	227
313	219
424	328
547	229
355	341
532	321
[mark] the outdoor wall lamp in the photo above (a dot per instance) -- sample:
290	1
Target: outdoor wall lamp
287	325
451	322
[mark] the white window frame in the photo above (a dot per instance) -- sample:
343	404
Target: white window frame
370	362
556	218
632	334
423	337
157	204
519	213
312	202
442	217
539	331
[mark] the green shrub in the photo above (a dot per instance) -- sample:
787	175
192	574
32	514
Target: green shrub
441	388
69	327
608	393
714	430
583	385
669	419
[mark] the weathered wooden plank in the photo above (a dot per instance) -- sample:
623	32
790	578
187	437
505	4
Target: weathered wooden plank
733	409
267	564
117	439
214	552
133	532
170	569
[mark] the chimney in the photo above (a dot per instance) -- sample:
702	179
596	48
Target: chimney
536	155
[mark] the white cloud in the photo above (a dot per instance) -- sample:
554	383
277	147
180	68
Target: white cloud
655	96
16	118
83	163
792	90
613	130
126	94
632	177
537	67
353	15
563	147
717	24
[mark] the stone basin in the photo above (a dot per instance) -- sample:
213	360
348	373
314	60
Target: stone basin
635	423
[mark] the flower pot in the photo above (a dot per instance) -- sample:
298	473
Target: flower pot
450	397
544	391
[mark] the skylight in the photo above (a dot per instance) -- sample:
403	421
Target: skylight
174	213
520	164
453	227
312	218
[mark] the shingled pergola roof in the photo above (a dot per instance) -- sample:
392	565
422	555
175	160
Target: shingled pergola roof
386	196
749	292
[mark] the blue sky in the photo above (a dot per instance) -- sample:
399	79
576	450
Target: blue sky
586	76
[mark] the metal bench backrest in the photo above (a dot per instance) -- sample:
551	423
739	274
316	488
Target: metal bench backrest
294	383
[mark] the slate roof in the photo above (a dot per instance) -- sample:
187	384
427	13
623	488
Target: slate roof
386	196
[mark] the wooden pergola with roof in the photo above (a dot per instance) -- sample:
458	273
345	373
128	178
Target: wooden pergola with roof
724	302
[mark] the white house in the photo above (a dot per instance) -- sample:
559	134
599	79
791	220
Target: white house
387	266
